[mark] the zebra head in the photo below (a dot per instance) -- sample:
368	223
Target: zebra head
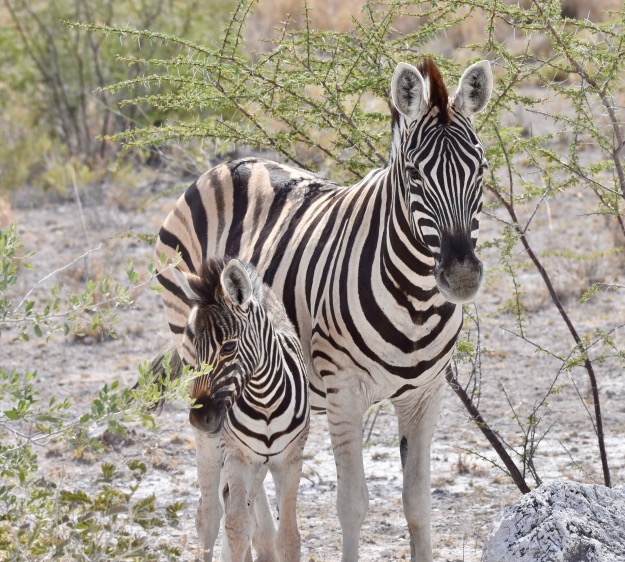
440	162
223	327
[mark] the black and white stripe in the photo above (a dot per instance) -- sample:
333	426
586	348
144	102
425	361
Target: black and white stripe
371	275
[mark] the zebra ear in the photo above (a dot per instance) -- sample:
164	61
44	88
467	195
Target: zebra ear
237	284
474	89
408	91
184	280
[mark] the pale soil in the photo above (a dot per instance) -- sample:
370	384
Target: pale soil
468	493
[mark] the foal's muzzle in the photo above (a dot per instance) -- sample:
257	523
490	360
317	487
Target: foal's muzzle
209	416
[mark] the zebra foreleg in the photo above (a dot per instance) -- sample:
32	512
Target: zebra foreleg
417	416
345	409
241	476
209	512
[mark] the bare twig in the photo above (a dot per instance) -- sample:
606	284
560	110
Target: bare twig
52	274
490	435
572	330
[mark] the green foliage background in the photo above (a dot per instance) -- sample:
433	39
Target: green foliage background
52	114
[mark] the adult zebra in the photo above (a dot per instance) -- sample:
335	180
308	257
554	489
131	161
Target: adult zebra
371	275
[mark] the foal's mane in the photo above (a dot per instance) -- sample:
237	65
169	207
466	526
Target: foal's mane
208	286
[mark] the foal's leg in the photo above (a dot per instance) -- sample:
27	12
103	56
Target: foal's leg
209	462
417	414
264	535
225	499
240	475
286	476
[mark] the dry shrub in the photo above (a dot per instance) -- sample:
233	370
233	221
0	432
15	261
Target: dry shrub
594	11
336	15
575	270
582	9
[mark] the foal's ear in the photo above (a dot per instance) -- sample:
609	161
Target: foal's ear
184	280
474	89
237	284
408	91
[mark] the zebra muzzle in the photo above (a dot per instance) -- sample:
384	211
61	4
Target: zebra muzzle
460	282
208	415
459	272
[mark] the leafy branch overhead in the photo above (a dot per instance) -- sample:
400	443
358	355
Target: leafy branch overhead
319	98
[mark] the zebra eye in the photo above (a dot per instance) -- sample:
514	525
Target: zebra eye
412	172
228	347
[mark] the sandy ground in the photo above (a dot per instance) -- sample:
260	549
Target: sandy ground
468	491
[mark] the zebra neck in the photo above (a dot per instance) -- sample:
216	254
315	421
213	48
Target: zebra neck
273	369
401	234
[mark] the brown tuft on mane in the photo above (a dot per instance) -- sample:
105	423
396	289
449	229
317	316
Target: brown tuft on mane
208	286
439	97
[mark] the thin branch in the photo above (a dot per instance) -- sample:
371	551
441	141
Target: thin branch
572	330
609	106
490	435
55	272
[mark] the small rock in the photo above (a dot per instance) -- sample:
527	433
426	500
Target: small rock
561	521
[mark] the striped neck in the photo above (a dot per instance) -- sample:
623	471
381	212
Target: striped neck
402	238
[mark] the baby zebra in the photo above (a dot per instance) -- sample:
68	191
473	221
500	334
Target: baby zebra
251	410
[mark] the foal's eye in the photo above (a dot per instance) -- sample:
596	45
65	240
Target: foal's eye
412	172
228	347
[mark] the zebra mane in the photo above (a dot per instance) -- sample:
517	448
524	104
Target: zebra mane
438	94
211	292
